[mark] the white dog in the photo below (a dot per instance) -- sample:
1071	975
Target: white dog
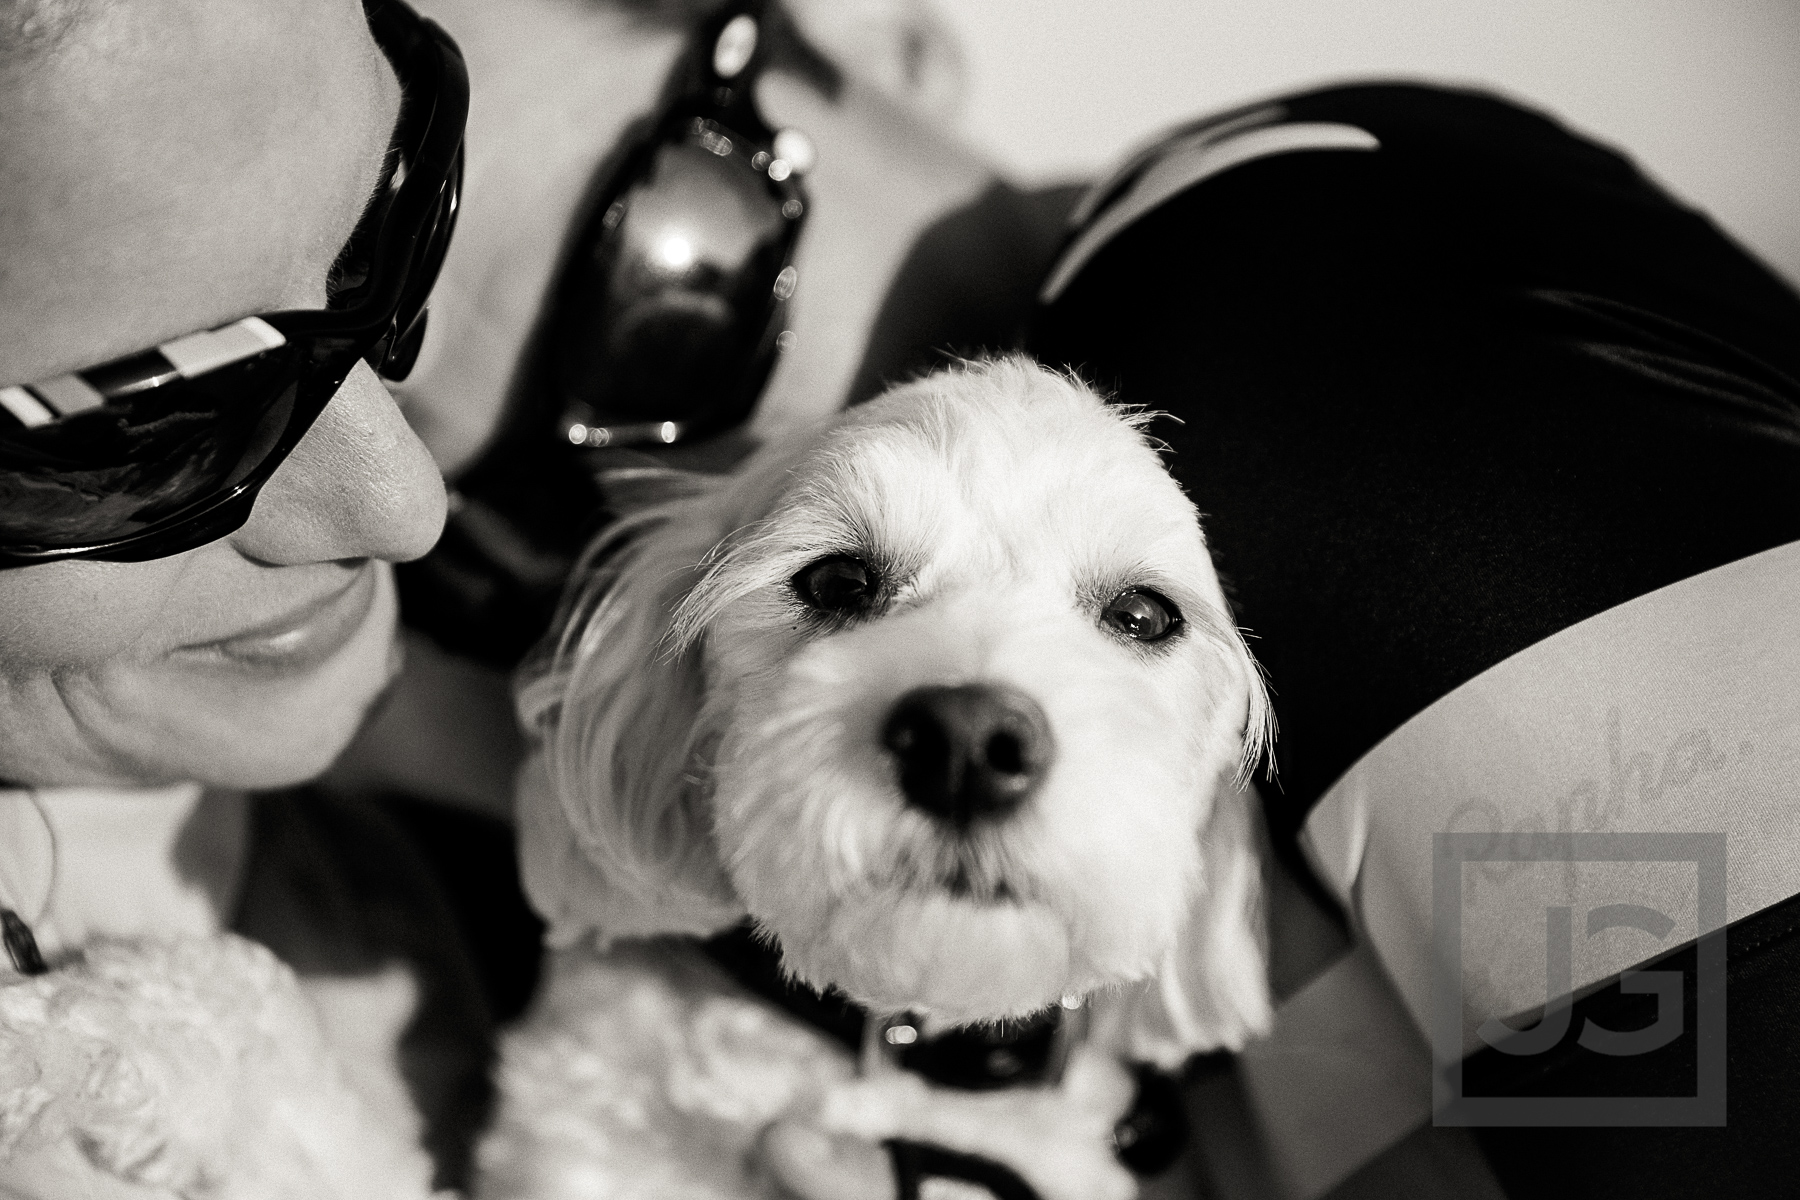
947	698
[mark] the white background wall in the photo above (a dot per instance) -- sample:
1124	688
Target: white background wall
1705	94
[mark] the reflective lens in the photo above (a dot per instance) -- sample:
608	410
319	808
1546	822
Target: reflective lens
670	303
113	471
663	325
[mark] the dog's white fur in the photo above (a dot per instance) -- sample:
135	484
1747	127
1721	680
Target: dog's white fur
706	747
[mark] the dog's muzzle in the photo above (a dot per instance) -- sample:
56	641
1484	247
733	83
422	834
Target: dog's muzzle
966	753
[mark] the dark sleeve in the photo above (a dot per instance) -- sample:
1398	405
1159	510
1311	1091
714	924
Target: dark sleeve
1440	399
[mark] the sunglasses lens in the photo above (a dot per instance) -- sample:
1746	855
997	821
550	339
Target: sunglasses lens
116	470
668	307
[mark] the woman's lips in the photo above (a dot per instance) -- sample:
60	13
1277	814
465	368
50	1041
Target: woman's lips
301	639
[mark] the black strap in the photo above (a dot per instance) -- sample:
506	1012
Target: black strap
1149	1137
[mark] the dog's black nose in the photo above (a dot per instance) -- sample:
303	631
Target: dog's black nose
967	752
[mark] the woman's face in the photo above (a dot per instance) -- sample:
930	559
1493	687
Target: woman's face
163	169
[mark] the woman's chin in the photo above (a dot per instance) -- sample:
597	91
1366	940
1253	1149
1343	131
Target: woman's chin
961	962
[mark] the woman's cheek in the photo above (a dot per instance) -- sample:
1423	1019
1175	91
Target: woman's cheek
65	615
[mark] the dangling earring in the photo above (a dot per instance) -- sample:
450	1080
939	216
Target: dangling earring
21	946
15	932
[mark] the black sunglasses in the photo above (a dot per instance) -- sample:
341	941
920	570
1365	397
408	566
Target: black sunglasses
165	450
665	319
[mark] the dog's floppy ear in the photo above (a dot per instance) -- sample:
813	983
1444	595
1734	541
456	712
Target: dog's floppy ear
1212	990
615	827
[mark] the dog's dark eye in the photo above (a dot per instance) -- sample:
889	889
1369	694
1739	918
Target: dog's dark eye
837	584
1141	615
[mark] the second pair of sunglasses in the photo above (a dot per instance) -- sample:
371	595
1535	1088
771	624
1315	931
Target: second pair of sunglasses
667	316
665	319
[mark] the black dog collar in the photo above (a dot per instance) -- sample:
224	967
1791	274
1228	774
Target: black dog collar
1148	1138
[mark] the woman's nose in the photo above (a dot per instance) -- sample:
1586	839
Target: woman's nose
359	485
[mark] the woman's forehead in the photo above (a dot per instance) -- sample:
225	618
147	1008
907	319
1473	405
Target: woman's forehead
171	166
